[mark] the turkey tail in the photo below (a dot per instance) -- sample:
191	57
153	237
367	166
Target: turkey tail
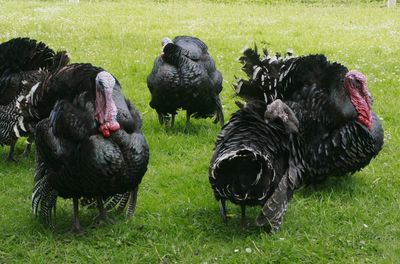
118	201
44	197
242	175
60	60
218	111
263	76
24	54
22	61
250	60
16	56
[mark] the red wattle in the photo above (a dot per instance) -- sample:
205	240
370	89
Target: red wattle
108	127
106	133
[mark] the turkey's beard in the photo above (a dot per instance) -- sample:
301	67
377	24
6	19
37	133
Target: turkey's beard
106	112
359	98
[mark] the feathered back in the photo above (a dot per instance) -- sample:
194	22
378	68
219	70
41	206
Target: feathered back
185	76
70	80
263	76
246	149
311	81
195	47
333	142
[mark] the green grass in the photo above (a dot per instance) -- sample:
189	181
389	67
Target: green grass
345	220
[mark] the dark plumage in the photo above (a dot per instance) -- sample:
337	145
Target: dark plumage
11	128
255	162
340	133
184	76
23	63
74	160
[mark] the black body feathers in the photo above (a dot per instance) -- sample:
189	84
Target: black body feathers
184	76
252	159
74	160
334	142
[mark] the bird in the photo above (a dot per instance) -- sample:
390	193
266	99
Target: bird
257	161
340	133
11	129
88	140
184	77
23	63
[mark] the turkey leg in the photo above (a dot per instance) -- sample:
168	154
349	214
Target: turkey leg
188	114
76	226
102	217
222	210
243	215
10	157
172	120
27	150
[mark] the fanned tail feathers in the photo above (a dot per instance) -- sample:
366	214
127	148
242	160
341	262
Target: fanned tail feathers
117	202
263	76
60	60
44	197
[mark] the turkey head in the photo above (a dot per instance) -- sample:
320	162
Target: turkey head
106	110
356	85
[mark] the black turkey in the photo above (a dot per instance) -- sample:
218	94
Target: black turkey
89	141
184	76
12	127
339	131
256	161
23	63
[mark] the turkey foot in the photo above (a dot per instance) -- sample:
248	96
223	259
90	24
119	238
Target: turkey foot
76	228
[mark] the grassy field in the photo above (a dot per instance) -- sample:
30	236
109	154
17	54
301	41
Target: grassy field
345	220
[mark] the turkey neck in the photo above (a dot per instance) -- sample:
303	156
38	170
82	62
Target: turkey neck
105	106
359	97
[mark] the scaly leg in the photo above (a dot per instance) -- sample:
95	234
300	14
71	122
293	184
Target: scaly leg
222	210
172	120
10	157
76	226
102	217
243	215
188	114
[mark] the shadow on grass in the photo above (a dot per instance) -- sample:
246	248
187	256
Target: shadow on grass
208	222
339	185
180	128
